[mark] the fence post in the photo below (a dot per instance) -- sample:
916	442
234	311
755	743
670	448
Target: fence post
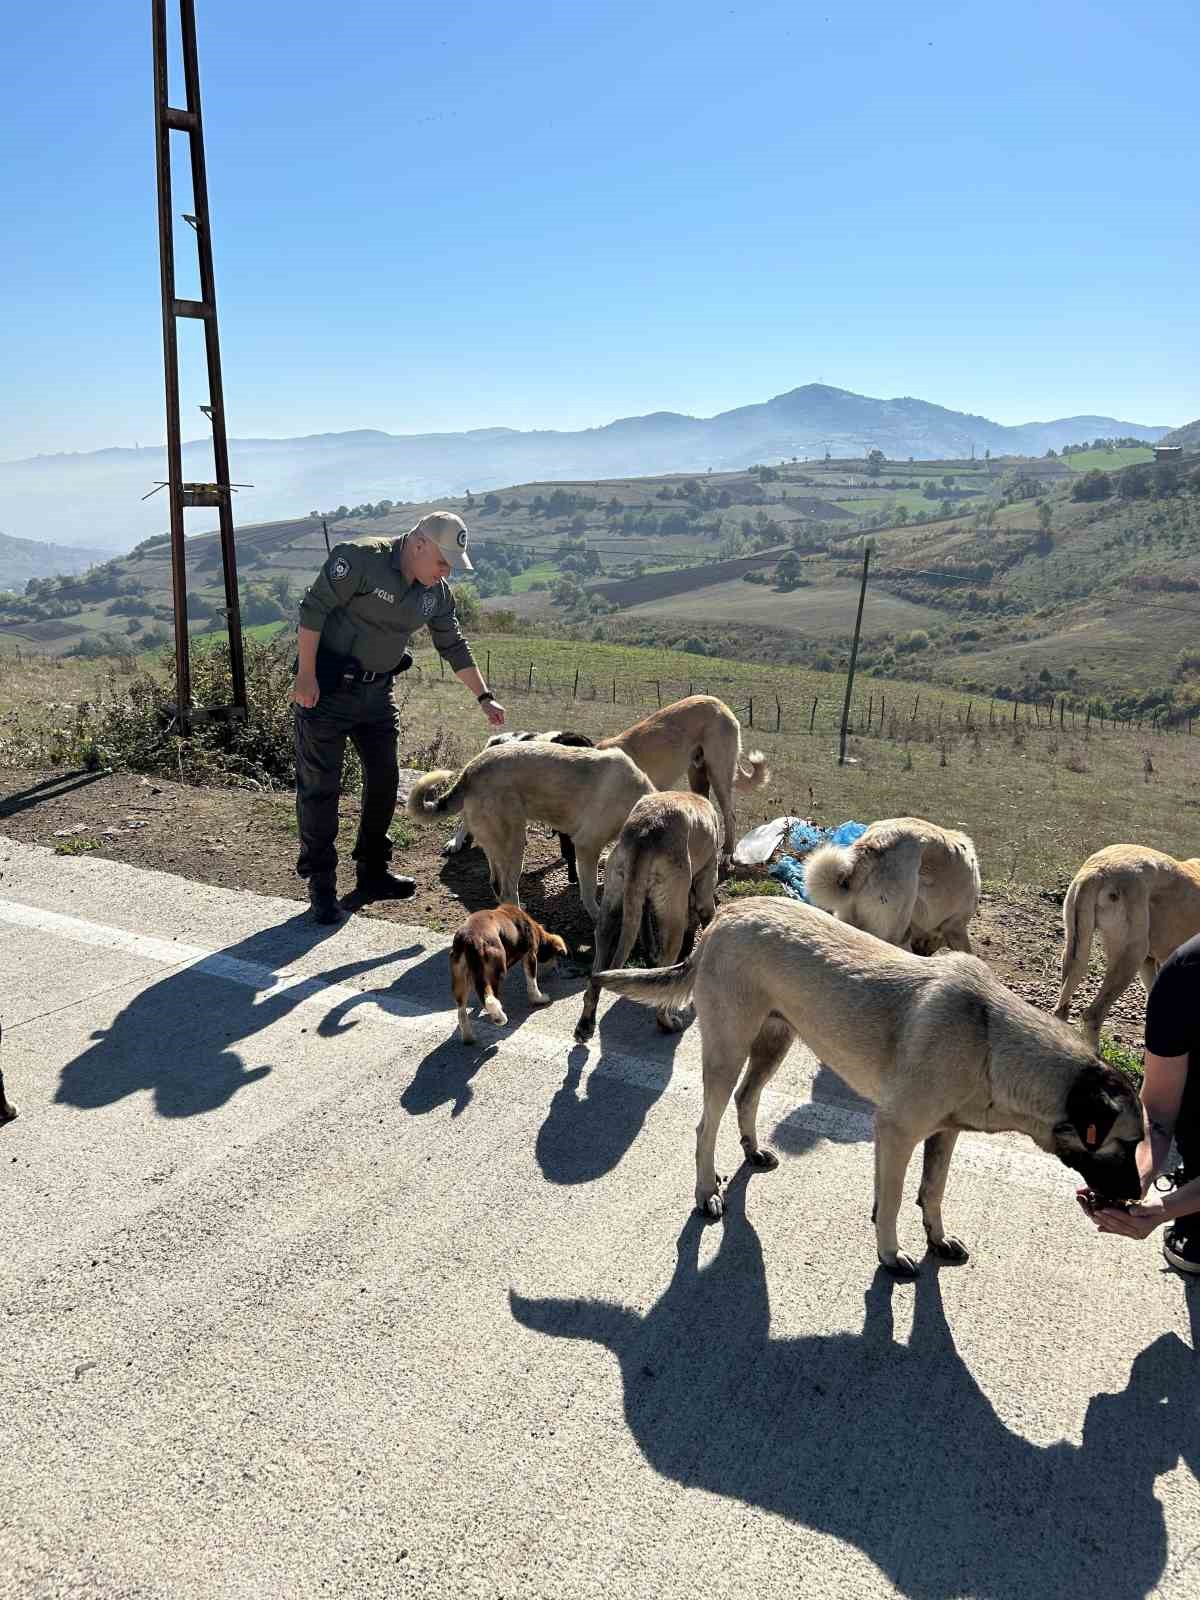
575	690
970	703
812	716
779	716
614	691
868	544
916	703
751	710
488	668
658	690
1015	704
870	711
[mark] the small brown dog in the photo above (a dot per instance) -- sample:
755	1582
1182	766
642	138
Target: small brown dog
485	947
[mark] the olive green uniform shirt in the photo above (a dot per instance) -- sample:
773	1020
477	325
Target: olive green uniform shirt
362	606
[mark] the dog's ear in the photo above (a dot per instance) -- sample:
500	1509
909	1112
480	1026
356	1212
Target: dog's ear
1092	1107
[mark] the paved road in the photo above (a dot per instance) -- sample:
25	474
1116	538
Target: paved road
299	1297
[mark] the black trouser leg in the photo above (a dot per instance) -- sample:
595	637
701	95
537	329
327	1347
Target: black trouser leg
374	738
1187	1142
320	748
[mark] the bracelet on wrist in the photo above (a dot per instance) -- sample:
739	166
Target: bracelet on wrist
485	696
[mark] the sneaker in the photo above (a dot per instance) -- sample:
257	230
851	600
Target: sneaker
1182	1251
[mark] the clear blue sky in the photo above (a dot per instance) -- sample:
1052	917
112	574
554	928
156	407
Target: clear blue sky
550	215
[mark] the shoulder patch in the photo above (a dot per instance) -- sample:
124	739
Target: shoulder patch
339	568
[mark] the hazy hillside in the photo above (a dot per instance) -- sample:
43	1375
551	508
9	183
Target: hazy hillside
22	559
98	496
1076	575
1188	436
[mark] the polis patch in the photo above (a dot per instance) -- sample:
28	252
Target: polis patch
429	603
339	568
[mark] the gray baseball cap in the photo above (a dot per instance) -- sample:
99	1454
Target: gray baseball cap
449	533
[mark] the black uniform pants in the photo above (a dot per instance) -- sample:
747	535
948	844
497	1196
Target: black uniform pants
1187	1141
365	714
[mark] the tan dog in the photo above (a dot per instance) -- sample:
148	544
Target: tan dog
905	880
940	1047
484	948
584	793
663	864
1145	905
699	739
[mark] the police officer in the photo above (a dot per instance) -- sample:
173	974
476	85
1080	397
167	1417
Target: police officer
355	623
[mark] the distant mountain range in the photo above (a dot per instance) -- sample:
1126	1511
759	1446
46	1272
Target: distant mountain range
22	559
95	498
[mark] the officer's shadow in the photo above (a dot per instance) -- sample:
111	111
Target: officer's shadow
893	1448
178	1037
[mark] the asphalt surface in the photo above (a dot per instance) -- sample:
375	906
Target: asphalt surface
299	1296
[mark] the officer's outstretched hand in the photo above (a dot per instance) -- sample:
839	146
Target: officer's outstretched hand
306	691
494	712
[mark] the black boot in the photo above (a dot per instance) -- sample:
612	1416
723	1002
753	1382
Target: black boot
326	908
377	883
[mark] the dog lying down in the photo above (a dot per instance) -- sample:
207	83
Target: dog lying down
940	1047
461	839
485	947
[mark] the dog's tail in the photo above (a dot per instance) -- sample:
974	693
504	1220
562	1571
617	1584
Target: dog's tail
656	986
1079	915
829	876
752	771
446	804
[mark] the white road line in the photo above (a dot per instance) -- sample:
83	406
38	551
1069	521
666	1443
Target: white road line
1000	1157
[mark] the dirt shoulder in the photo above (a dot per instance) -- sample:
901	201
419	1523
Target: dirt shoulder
241	840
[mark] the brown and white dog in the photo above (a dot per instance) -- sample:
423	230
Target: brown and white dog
484	948
462	838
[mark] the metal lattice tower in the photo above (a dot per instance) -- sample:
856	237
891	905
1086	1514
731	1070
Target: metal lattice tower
219	493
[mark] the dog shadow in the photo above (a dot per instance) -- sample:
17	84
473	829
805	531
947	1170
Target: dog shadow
593	1121
177	1038
891	1447
811	1123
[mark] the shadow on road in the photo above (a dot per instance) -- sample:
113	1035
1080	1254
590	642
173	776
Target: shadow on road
178	1037
893	1448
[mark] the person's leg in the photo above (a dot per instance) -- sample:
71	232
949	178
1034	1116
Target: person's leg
374	736
320	738
1181	1242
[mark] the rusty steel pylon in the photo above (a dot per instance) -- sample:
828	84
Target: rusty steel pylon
219	493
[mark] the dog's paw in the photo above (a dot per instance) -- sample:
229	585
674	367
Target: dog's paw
670	1021
712	1208
950	1249
762	1160
900	1266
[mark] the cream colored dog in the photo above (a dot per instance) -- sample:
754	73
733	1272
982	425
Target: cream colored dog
584	793
940	1047
905	880
698	739
664	863
1145	905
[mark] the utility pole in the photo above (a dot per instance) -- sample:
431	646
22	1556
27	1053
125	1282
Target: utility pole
868	544
219	493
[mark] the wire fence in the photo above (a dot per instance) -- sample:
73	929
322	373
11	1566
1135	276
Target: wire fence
878	709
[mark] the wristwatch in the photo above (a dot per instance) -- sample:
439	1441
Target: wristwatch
486	695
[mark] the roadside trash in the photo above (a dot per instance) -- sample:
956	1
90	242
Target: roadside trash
65	833
802	840
760	843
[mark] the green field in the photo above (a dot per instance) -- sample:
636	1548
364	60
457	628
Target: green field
1108	460
816	613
